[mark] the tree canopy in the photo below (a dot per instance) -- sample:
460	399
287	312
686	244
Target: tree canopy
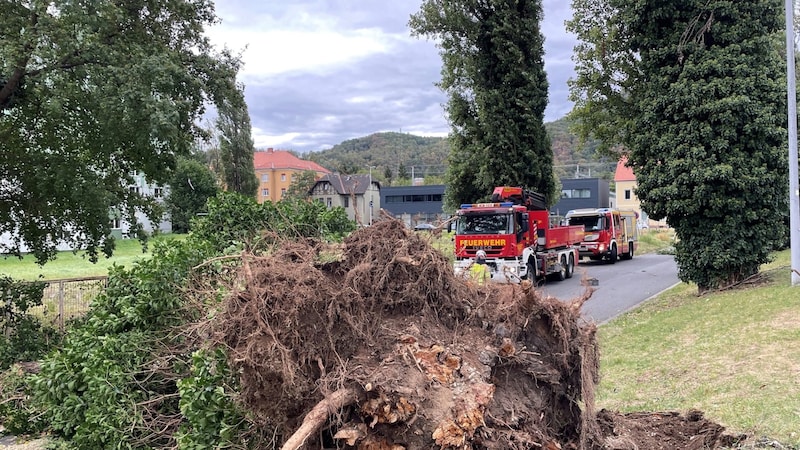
694	92
493	72
191	186
236	146
92	93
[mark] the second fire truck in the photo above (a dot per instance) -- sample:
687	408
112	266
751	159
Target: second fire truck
610	234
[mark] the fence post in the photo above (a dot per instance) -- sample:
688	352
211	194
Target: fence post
61	305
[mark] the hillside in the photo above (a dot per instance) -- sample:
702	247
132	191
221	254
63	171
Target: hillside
392	152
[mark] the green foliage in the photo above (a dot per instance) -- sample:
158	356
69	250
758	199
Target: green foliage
493	71
91	93
235	222
123	373
207	403
301	186
90	388
22	335
236	146
701	113
17	413
402	172
191	186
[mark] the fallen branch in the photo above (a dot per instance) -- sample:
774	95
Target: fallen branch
318	415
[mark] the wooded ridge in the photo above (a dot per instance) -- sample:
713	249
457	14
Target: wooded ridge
393	152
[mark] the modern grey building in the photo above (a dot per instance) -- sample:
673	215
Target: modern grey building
414	204
582	193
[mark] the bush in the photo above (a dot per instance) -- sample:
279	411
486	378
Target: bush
130	375
17	413
22	336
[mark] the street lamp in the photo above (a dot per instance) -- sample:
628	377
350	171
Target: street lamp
370	193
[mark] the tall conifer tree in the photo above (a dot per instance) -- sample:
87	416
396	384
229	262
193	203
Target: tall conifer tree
493	72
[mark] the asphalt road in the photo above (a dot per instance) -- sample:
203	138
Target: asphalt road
620	287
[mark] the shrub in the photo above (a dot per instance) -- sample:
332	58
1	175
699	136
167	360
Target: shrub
22	336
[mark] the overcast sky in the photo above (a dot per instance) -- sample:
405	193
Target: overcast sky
319	72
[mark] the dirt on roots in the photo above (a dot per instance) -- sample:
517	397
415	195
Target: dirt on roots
385	348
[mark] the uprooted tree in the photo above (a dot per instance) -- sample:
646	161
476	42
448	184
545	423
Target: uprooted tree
241	338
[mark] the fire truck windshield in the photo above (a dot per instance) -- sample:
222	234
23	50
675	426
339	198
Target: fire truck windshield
590	223
485	224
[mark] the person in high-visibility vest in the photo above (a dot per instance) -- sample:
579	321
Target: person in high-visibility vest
479	271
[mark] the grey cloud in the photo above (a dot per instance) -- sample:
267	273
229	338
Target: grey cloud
304	103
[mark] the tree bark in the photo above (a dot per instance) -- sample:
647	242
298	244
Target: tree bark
318	416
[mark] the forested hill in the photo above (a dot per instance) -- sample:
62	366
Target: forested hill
408	154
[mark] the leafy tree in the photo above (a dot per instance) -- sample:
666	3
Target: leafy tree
301	186
190	188
493	72
236	146
91	93
694	91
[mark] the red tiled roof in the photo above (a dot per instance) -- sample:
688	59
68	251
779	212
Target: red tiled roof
624	173
281	159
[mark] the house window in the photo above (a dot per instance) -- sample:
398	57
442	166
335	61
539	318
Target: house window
283	192
265	192
283	177
134	189
264	177
116	223
294	177
330	203
627	194
346	202
158	192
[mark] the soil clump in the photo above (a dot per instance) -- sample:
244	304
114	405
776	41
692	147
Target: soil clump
383	347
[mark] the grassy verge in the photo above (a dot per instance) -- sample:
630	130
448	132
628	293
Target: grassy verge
734	355
655	240
75	265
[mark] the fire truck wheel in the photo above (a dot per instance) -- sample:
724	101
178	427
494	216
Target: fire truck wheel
612	257
531	273
561	275
570	266
629	254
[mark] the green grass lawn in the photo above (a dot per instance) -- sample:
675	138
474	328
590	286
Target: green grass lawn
734	355
75	265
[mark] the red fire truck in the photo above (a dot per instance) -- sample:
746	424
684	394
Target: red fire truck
517	234
609	233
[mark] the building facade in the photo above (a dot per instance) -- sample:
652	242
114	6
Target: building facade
626	195
277	169
577	193
359	195
415	205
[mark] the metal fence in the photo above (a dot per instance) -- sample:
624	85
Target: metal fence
68	298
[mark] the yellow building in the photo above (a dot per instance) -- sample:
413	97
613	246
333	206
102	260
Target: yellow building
277	169
626	194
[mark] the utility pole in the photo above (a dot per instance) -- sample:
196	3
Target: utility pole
794	189
370	194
